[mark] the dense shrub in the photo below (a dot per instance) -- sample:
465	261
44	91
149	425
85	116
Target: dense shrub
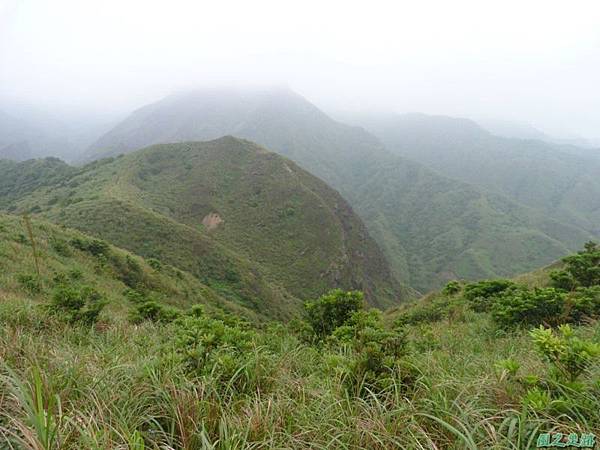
546	306
373	361
208	347
424	312
523	307
452	287
581	269
135	296
332	310
569	355
95	247
583	304
76	304
154	312
562	279
481	295
129	271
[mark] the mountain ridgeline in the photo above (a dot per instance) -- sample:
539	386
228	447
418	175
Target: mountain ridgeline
250	224
431	227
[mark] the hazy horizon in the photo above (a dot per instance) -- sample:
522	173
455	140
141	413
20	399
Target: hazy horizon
536	63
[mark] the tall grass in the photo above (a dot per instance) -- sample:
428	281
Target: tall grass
117	388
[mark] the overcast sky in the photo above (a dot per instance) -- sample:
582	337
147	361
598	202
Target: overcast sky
526	60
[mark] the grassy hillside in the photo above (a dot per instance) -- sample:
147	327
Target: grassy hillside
431	228
62	257
250	224
448	378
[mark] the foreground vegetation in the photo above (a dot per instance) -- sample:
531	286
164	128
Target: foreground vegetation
477	366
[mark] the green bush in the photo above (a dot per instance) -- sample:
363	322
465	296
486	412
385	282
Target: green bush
154	312
373	358
208	347
302	330
452	287
135	296
581	269
129	271
523	307
95	247
562	279
482	294
332	310
425	339
583	304
424	312
569	355
76	304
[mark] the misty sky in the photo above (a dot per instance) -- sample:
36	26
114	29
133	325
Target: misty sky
526	60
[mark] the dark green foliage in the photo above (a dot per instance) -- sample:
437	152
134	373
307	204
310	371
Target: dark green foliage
562	279
370	354
302	330
581	269
197	338
106	275
575	297
135	296
530	308
75	274
452	287
583	304
332	310
76	304
19	179
153	311
481	295
147	306
94	247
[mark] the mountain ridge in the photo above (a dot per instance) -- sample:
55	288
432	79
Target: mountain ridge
399	200
275	231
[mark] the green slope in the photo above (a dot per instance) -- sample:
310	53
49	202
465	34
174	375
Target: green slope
431	228
111	273
283	235
562	182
